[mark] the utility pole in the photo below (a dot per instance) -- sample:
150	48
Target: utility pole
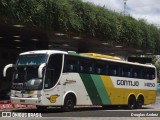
125	2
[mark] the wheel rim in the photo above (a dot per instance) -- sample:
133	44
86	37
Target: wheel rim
131	103
69	105
139	103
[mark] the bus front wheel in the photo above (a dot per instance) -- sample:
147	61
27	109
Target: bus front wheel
131	102
69	103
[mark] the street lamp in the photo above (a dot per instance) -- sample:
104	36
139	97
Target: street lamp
125	1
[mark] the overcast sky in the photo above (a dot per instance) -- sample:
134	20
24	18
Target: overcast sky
145	9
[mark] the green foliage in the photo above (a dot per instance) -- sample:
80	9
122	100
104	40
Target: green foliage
81	17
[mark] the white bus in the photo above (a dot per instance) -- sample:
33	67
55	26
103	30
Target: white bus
66	79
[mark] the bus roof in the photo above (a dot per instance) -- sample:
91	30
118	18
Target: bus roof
95	55
113	59
88	55
43	52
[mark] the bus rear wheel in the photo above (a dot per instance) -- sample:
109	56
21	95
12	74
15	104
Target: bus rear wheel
139	102
69	103
131	102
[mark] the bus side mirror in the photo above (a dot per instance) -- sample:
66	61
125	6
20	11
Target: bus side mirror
40	70
6	68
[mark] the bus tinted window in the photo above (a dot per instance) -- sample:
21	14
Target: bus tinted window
148	73
71	64
113	69
86	66
53	70
137	72
126	71
35	59
100	67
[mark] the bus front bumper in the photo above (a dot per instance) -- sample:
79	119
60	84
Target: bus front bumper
30	101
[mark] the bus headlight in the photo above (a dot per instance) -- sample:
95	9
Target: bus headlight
37	96
30	92
12	95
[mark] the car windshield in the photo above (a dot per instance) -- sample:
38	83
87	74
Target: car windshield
33	59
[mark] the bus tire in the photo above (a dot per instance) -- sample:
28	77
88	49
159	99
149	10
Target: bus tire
69	103
139	102
131	102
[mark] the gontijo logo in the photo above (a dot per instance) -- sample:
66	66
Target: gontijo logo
127	83
53	98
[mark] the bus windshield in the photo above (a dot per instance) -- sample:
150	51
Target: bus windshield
34	59
26	73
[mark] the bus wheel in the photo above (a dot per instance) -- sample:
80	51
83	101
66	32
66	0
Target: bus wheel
131	102
69	103
139	102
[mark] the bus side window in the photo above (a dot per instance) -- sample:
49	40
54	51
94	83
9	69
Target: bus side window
99	70
136	72
100	67
151	73
126	71
86	66
146	73
90	69
71	64
81	68
129	74
152	76
70	68
113	70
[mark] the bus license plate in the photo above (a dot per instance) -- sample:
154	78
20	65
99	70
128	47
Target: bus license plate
22	100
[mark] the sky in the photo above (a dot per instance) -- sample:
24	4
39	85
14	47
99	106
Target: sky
149	10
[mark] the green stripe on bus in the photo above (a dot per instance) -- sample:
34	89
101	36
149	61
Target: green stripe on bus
91	88
101	89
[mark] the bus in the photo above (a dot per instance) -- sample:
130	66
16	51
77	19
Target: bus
67	79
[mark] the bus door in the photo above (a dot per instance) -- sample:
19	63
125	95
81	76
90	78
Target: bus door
52	85
70	73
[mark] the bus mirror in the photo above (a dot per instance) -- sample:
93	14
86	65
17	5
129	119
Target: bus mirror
40	69
6	68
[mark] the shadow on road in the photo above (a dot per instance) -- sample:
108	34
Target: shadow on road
77	109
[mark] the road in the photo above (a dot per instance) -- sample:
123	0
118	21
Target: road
95	112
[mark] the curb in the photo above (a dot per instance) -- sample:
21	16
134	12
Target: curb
8	105
5	102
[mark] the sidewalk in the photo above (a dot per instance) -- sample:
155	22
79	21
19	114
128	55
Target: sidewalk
6	104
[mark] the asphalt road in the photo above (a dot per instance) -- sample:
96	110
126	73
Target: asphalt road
94	112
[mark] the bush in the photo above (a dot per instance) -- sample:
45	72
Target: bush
81	17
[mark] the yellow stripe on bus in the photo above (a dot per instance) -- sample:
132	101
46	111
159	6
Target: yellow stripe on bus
120	95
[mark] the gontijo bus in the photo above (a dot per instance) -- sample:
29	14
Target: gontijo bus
58	78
